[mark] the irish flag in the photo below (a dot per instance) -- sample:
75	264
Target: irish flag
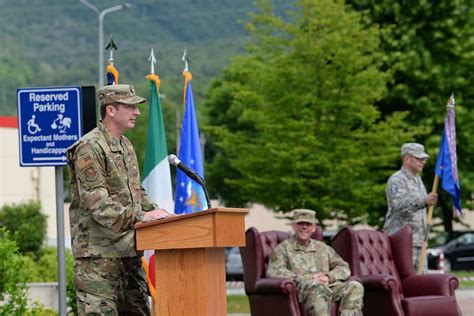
156	173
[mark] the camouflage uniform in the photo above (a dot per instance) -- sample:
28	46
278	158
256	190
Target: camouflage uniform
406	195
107	200
299	263
110	286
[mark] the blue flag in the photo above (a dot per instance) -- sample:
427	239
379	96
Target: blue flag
447	165
190	195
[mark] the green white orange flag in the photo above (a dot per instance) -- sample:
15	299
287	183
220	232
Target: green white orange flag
156	173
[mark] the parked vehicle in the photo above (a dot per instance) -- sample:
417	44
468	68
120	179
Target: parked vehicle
458	253
234	270
327	236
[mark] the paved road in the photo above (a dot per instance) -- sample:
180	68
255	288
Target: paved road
465	298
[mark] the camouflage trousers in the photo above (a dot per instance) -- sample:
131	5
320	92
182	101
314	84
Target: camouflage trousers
110	286
416	257
318	297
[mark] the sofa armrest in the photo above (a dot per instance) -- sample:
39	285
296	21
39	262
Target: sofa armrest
382	295
275	285
429	284
379	282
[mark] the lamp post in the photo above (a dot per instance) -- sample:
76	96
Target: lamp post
101	15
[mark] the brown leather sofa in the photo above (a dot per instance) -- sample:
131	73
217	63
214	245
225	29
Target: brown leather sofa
384	265
269	296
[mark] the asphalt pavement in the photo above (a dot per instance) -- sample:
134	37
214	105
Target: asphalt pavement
465	298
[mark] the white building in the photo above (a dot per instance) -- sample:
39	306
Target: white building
21	184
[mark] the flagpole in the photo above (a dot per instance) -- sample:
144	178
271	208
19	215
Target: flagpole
186	75
152	61
149	253
101	15
446	168
111	70
424	246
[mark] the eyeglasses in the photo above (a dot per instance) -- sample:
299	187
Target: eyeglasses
419	159
304	223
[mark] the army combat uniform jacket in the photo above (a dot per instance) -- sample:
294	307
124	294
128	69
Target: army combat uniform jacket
406	195
107	197
297	262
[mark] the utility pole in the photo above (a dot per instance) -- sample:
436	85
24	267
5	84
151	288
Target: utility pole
101	15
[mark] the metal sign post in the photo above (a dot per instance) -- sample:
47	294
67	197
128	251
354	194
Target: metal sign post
60	238
49	121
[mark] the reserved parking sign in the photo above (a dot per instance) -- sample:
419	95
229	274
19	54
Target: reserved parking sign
49	121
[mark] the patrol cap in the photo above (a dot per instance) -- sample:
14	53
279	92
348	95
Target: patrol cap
414	149
118	93
307	216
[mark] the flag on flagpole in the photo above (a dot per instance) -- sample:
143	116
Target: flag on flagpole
447	165
190	195
156	172
112	72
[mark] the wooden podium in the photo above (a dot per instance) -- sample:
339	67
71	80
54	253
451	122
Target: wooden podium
190	261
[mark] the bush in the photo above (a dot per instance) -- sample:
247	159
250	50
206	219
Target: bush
28	224
40	310
48	268
12	288
45	269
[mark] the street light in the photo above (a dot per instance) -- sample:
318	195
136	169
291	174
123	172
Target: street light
101	15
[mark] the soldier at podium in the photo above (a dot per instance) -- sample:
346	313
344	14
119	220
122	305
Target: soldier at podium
320	274
107	200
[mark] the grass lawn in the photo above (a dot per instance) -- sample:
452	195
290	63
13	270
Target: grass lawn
238	304
466	278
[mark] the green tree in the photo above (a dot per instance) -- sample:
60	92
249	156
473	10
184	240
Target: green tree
13	74
294	123
28	224
64	51
428	51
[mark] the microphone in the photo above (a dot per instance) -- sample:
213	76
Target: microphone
173	160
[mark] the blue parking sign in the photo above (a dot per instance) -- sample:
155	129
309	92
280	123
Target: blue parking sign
49	121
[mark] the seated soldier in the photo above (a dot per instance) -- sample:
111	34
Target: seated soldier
318	271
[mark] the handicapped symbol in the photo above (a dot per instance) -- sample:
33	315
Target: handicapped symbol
33	128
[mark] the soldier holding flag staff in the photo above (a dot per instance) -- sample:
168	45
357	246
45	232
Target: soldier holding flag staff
407	198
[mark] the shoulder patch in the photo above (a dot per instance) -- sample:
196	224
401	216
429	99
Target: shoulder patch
91	173
84	161
393	189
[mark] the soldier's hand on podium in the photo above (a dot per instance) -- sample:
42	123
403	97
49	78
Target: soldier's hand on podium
155	214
